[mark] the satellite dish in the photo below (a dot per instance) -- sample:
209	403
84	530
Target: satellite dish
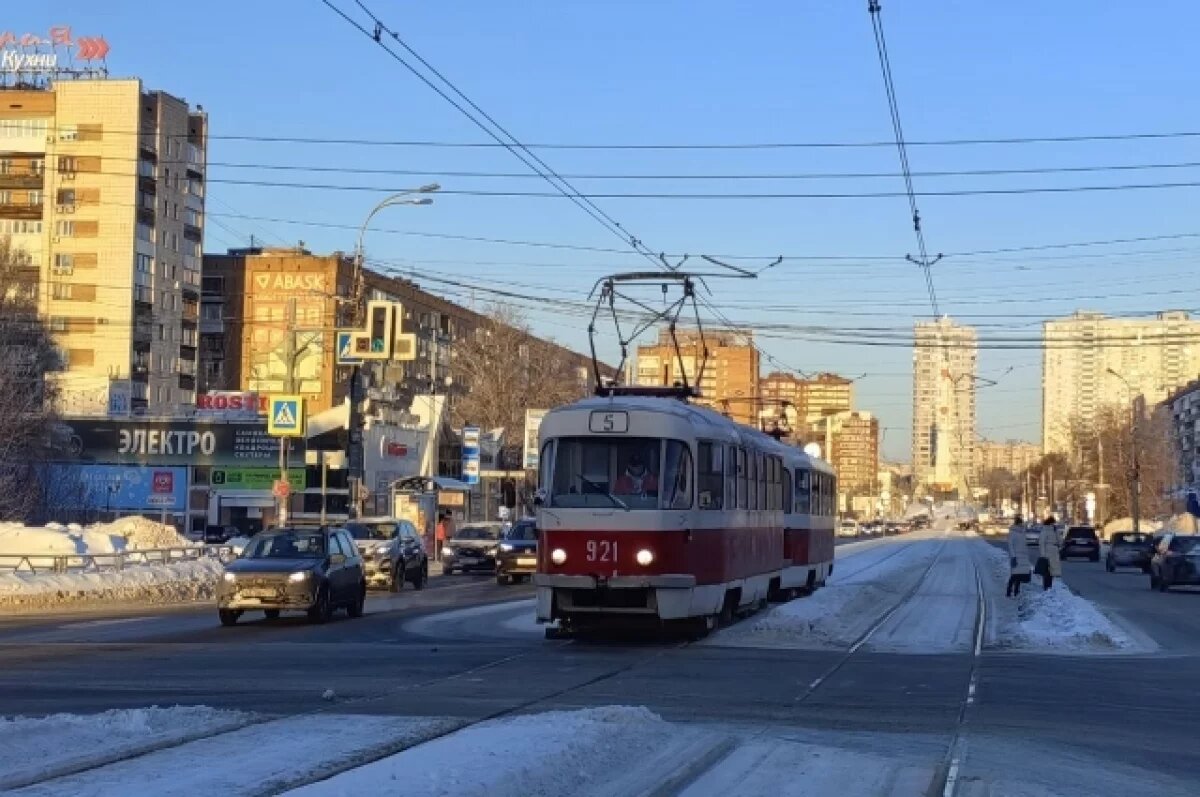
813	450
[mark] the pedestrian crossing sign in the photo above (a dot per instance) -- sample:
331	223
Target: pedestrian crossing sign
345	348
285	416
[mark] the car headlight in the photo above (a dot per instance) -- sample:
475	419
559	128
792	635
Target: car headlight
383	550
229	578
504	546
558	556
645	557
447	552
296	578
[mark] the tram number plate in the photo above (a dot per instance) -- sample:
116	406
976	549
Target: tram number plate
609	422
602	551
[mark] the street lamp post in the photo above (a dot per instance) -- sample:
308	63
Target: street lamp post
401	198
1136	475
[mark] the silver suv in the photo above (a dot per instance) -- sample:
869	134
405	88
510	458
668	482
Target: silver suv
392	552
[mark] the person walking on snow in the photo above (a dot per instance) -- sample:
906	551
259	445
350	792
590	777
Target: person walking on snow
1049	565
1018	558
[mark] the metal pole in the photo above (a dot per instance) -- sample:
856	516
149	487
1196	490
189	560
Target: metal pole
1135	498
289	387
324	483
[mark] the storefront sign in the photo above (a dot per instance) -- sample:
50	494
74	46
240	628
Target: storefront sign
253	478
174	442
230	403
52	55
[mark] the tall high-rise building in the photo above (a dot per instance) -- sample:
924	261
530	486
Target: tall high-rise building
945	367
1153	356
729	383
102	184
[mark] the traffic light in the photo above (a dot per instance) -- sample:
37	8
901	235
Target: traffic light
375	342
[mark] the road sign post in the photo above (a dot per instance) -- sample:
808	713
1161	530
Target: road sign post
285	420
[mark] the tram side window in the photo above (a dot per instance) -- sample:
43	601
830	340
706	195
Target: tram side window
776	485
803	491
741	479
764	478
710	475
751	480
833	495
677	476
786	489
818	493
545	475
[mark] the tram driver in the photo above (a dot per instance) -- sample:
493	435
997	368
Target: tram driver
637	478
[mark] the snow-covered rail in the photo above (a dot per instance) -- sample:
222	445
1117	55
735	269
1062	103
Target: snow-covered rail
119	560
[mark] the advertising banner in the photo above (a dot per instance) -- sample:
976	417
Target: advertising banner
533	423
118	487
223	479
470	454
199	442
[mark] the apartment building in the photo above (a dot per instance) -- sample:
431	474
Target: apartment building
102	186
729	382
1090	360
850	441
945	369
1014	456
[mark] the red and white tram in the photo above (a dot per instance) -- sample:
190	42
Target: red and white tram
657	510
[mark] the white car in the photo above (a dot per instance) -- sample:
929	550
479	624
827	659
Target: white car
847	528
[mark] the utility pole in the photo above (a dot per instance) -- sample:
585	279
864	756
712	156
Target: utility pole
289	353
1136	495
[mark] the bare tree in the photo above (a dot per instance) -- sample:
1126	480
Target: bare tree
1001	483
505	370
27	356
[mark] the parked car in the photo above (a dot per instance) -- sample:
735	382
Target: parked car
1033	533
921	522
219	535
892	528
517	555
392	552
1080	541
847	528
311	570
1129	549
1176	562
472	549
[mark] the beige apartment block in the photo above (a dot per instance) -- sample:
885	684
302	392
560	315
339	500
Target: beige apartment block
102	184
729	381
1151	357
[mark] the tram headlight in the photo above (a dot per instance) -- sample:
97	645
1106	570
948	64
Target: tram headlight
558	556
645	557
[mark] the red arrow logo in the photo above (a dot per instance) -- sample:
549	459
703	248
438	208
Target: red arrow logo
91	48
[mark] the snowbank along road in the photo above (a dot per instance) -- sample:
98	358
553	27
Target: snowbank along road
909	674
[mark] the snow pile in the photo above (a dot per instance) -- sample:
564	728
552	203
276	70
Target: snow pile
36	748
177	582
142	533
1126	524
56	539
558	752
1059	619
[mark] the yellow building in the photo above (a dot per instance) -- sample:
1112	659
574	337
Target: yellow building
102	184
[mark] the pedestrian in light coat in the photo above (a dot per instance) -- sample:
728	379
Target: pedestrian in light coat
1018	558
1049	566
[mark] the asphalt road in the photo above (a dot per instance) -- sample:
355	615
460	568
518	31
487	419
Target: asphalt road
466	647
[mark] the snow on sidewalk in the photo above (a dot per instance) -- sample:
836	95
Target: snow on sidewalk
863	588
177	582
1048	621
32	748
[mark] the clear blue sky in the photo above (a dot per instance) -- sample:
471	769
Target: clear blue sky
692	71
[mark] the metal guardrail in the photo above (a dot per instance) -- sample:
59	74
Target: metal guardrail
100	562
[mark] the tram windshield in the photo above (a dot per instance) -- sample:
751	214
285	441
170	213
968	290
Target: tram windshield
626	473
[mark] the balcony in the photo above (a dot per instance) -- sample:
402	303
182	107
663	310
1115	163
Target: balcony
187	381
21	180
191	232
14	210
191	312
146	217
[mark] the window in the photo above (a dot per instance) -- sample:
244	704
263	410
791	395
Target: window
335	544
67	164
65	196
788	490
64	228
210	312
68	133
64	263
35	197
740	471
677	476
145	264
803	491
6	165
710	475
59	323
81	358
752	458
601	472
5	197
162	332
61	290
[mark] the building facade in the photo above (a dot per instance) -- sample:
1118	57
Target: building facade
945	369
850	441
729	382
1153	357
102	185
1184	405
1014	456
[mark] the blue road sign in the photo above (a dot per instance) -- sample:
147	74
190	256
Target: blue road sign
345	348
285	416
470	454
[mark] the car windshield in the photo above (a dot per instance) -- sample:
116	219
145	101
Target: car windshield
374	531
522	531
478	533
1131	539
626	473
286	545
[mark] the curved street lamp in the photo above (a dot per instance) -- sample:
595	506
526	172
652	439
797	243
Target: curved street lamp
401	198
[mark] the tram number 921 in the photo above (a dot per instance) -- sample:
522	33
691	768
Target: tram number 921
602	551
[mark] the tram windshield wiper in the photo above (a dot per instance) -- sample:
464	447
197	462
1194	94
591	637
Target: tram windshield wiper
603	491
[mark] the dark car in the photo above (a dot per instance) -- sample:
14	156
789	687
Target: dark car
517	557
217	535
392	552
311	570
473	548
1129	549
1176	562
892	528
1080	541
